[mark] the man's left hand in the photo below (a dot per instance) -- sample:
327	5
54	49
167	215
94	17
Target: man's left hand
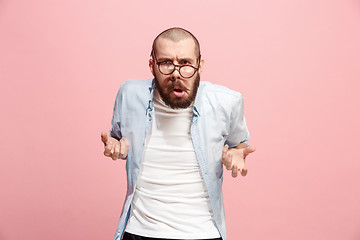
234	158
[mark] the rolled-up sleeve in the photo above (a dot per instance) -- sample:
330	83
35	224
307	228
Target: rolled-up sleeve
115	131
239	132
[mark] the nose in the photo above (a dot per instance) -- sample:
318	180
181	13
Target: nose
176	73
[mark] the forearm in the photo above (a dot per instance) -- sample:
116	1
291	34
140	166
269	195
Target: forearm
241	146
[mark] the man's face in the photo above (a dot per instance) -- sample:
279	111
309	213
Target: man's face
175	90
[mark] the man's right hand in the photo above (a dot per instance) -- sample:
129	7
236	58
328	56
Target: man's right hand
115	148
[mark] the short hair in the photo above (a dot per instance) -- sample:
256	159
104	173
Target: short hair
177	34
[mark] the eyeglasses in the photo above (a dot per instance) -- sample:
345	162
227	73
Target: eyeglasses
168	67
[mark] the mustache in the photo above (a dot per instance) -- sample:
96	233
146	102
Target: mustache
177	84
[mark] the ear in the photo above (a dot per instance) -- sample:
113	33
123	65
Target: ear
201	65
151	66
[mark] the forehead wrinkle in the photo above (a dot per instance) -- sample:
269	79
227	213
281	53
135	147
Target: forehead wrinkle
180	56
175	58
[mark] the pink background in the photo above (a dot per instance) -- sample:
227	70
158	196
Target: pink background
297	64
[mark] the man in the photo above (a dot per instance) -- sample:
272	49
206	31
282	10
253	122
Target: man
176	133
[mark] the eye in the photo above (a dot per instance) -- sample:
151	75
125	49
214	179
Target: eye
167	65
185	62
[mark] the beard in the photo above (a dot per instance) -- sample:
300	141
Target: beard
178	102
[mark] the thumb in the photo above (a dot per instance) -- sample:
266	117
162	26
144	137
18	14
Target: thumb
104	137
248	150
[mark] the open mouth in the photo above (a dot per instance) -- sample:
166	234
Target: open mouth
178	92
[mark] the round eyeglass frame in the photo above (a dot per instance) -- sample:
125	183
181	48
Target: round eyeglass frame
175	66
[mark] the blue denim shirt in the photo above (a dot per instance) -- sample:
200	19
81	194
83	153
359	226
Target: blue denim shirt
217	120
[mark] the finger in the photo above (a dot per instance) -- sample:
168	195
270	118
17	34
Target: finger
248	150
228	162
224	153
234	172
244	172
112	148
104	137
124	148
107	151
115	155
126	143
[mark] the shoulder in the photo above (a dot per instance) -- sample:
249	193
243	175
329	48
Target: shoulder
135	89
219	93
134	94
136	85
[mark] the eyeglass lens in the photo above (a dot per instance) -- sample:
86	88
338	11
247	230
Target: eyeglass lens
185	70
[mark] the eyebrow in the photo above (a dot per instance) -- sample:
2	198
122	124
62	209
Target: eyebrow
162	59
